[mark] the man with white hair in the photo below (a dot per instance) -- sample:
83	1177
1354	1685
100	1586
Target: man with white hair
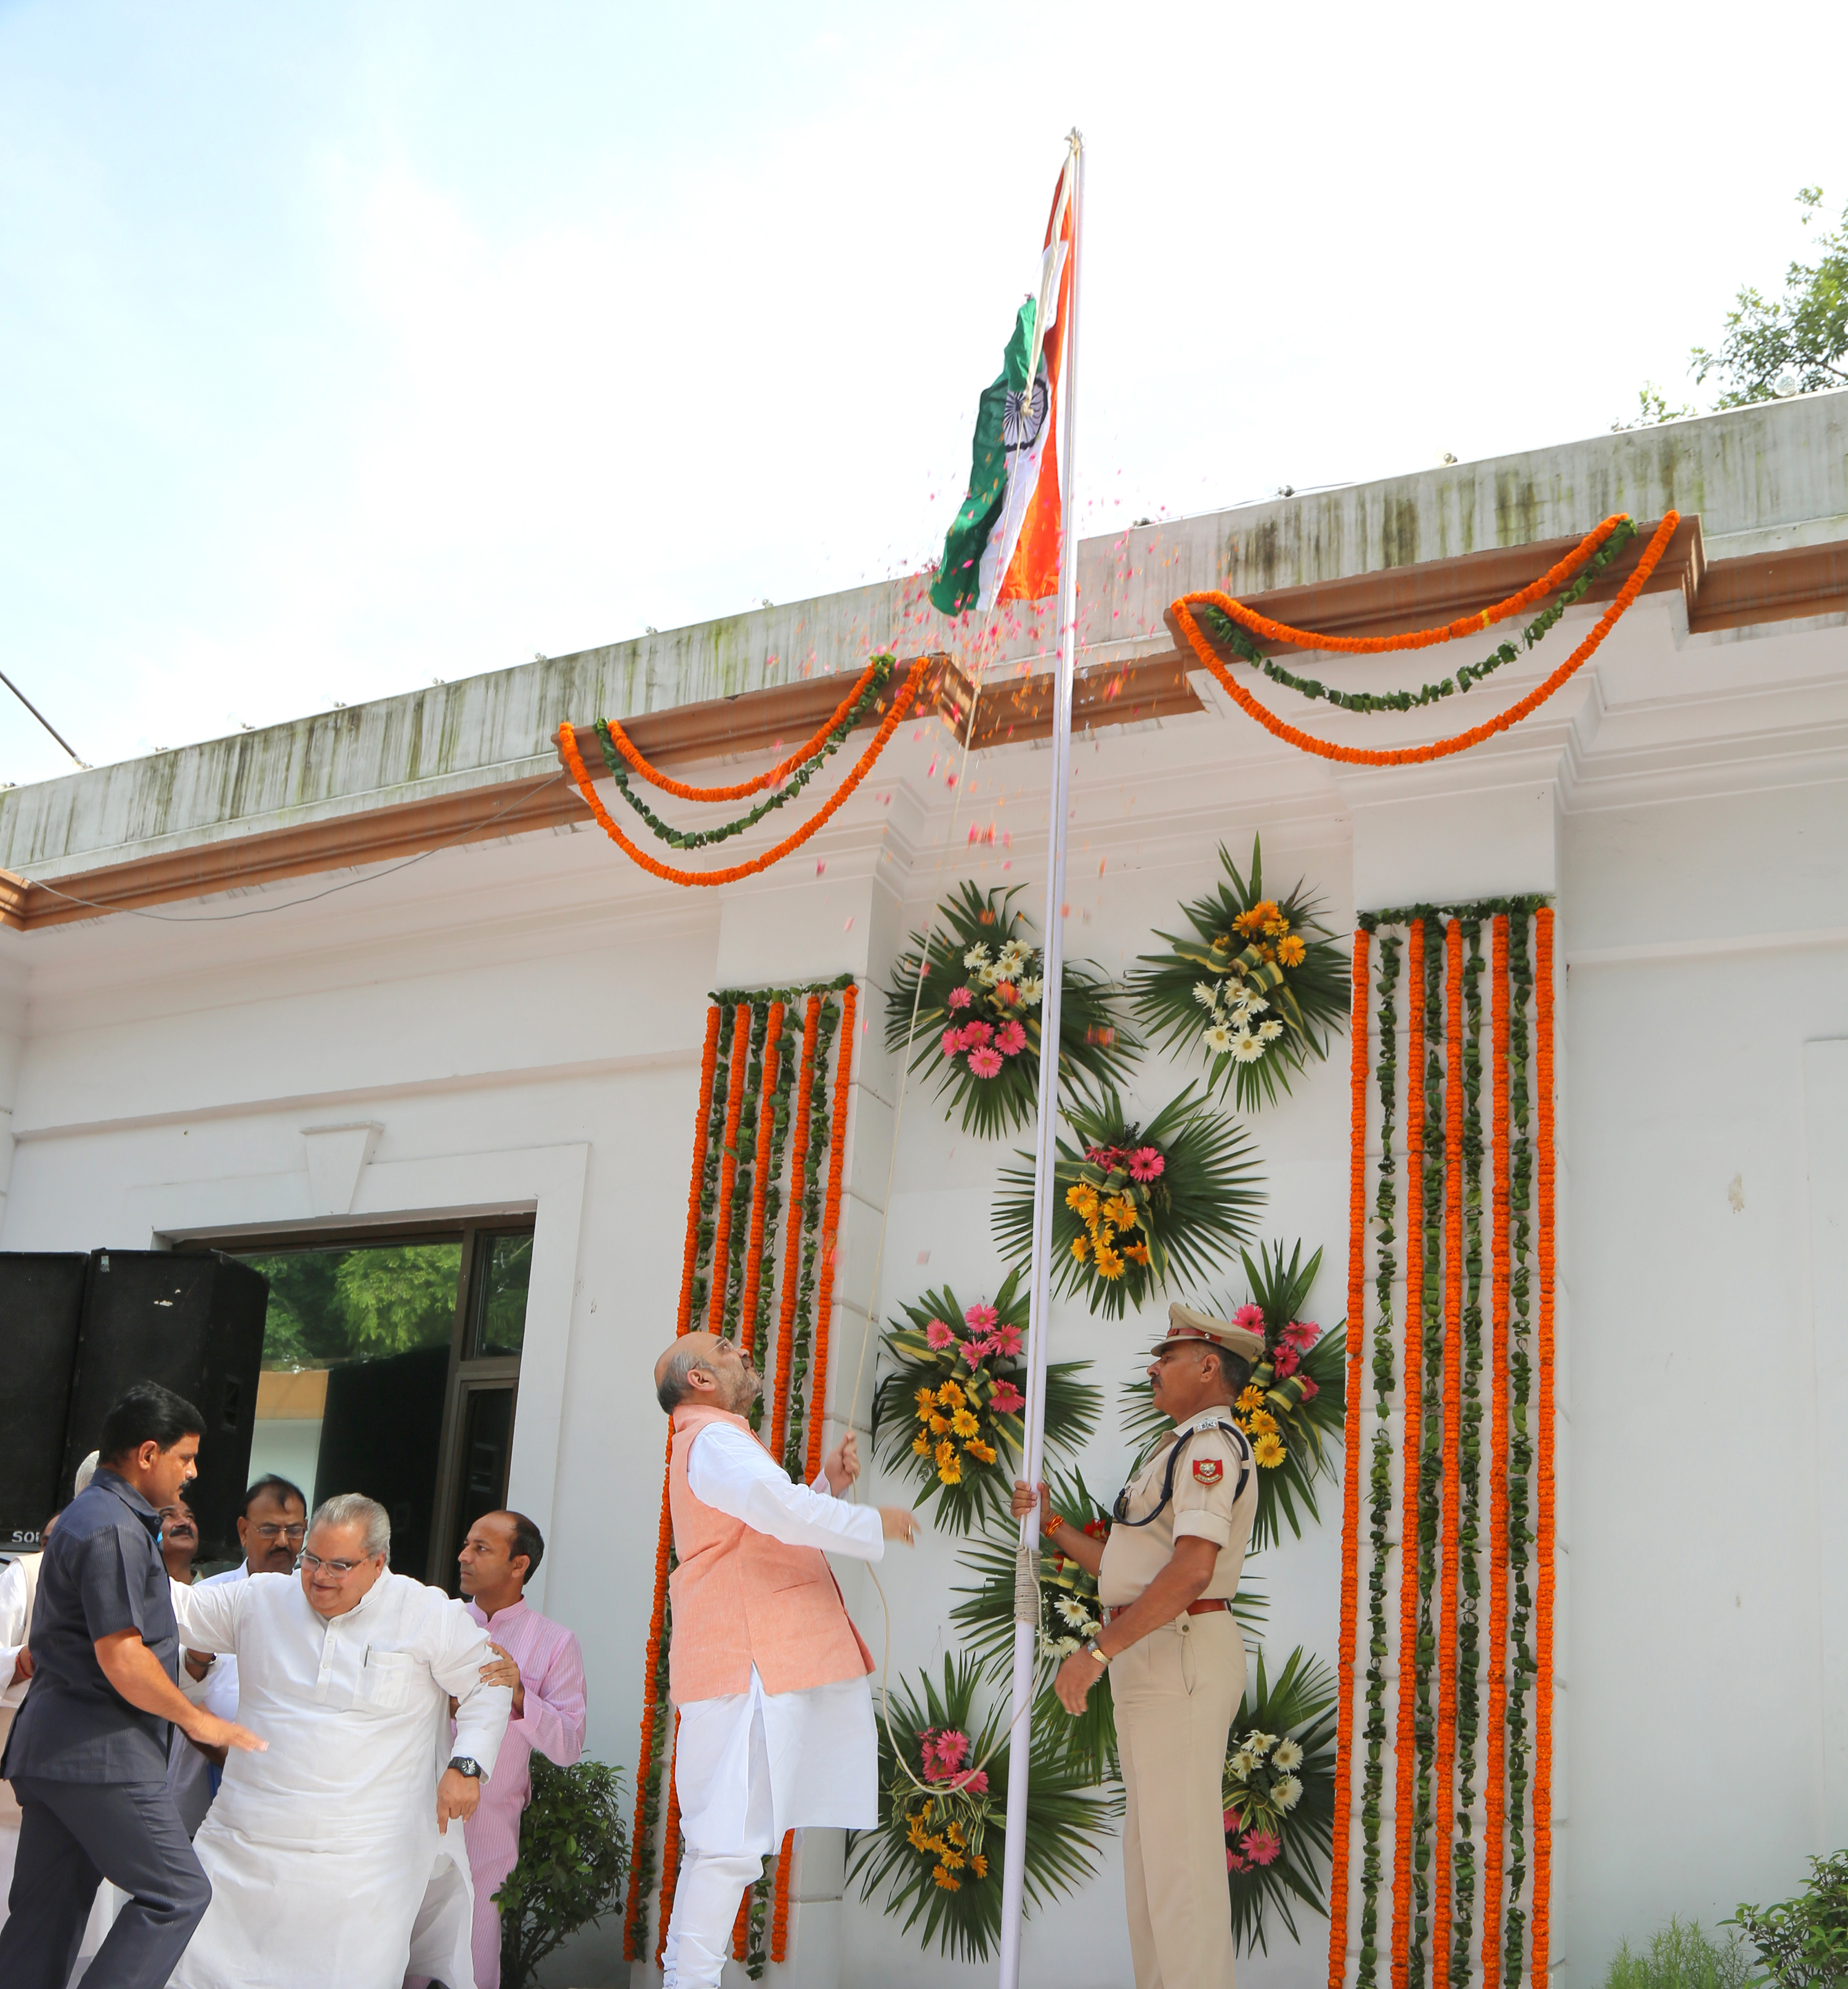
322	1861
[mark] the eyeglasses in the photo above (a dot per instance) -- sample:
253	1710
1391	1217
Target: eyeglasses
340	1570
270	1530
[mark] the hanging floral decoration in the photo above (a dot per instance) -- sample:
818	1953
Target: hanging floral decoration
1278	1789
972	1010
1293	1406
1474	1562
1258	987
946	1412
730	1270
1137	1208
936	1853
1070	1614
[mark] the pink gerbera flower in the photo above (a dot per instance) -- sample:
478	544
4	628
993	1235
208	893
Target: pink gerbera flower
1232	1822
952	1749
1006	1400
985	1063
951	1042
1145	1164
1310	1389
960	998
1262	1847
1012	1040
1250	1317
980	1318
974	1033
1302	1334
1285	1362
937	1336
1233	1861
1006	1340
976	1784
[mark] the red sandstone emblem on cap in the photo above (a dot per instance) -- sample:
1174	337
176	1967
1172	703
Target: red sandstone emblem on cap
1209	1470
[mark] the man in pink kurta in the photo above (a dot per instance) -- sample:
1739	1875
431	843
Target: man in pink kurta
540	1660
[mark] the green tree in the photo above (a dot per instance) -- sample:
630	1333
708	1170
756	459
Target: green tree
358	1302
1795	343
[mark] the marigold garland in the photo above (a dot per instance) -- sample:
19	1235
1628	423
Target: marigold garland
824	1300
1406	756
760	1186
573	761
1493	1786
779	1922
1519	1658
1453	1433
728	1166
1351	1488
1404	1744
739	789
1543	1610
798	1157
670	1852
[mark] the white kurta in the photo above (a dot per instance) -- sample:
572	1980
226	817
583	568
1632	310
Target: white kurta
753	1764
321	1851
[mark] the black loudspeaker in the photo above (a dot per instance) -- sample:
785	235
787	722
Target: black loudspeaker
381	1433
40	1312
193	1322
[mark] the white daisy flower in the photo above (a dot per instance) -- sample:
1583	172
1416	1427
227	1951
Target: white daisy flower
1286	1791
976	955
1287	1755
1072	1609
1238	997
1218	1039
1206	993
1256	1003
1061	1647
1247	1048
989	974
1242	1764
1261	1743
1270	1030
1013	954
1031	989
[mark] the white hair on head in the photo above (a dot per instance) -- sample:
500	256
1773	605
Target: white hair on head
354	1509
672	1390
86	1472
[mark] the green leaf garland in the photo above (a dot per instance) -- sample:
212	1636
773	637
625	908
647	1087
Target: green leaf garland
974	1021
815	1183
1256	1001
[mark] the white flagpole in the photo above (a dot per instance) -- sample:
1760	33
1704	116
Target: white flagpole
1026	1576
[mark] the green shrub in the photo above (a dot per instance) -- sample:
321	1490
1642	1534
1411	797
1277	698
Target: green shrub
1803	1942
573	1858
1681	1956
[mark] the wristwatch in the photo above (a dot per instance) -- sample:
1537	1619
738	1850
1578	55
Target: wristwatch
466	1764
1092	1650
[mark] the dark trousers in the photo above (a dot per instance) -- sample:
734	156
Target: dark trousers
72	1836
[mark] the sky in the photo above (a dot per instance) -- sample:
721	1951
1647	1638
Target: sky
346	347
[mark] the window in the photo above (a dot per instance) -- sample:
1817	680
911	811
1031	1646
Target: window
391	1367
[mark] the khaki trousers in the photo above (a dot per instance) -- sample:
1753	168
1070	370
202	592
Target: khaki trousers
1176	1692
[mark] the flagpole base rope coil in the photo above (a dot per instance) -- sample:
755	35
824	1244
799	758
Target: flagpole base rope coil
1184	619
1461	1374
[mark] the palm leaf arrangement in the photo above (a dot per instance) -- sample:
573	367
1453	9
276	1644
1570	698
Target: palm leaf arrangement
937	1849
1257	987
948	1409
1279	1792
973	1007
1137	1208
1293	1408
1070	1613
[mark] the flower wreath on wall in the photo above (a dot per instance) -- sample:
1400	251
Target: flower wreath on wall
949	1412
1137	1206
976	1018
1294	1404
1279	1793
1071	1614
937	1846
1259	987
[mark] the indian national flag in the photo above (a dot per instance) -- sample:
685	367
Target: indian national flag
1004	545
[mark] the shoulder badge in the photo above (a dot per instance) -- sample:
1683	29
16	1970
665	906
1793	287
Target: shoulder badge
1209	1470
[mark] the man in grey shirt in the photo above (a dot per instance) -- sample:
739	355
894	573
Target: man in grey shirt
87	1755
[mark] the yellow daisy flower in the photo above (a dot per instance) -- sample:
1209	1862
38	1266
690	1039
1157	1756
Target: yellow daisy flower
1250	1399
949	1396
1289	951
921	1443
981	1864
1268	1450
915	1831
943	1877
927	1402
939	1426
1081	1248
985	1452
963	1424
1122	1212
1260	1422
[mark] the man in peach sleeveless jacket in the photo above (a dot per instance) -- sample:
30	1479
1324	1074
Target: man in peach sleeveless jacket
765	1669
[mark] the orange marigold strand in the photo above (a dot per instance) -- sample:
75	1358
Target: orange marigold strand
760	1186
709	1059
1351	1489
670	1851
1543	1599
630	752
740	1927
824	1297
1405	1743
792	1231
580	774
1496	1643
779	1921
1408	756
728	1163
1446	1620
1556	575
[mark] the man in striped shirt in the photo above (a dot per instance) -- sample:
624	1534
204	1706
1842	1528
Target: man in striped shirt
540	1660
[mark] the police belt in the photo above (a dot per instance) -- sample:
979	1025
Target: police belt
1204	1608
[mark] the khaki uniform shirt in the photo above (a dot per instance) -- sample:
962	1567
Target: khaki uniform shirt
1207	1504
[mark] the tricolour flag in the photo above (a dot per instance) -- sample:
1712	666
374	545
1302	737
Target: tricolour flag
1004	545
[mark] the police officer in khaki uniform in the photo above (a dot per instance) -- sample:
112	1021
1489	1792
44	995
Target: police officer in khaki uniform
1166	1576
